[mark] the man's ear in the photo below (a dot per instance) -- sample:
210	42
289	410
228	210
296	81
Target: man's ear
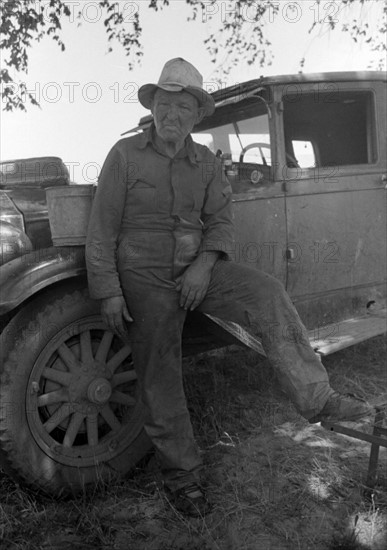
200	115
152	103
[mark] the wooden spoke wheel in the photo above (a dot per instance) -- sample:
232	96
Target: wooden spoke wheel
70	413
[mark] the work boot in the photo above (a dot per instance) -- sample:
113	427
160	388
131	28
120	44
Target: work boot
343	408
190	500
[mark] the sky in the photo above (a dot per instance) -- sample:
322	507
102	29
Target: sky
88	97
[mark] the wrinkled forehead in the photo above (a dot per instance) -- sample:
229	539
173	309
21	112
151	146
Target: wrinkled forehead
175	97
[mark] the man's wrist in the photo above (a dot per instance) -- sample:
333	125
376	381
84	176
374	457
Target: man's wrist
107	298
208	258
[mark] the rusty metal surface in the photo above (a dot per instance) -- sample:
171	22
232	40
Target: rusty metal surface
26	275
31	202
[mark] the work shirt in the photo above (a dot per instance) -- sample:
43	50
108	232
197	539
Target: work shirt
152	214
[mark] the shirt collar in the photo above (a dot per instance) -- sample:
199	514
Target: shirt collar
190	149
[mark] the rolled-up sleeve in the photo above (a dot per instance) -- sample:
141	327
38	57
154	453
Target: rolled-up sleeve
217	214
104	227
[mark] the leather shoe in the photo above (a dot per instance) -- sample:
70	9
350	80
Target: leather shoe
190	500
343	408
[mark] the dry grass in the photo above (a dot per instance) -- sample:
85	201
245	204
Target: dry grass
276	482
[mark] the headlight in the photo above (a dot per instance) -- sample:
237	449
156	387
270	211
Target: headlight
13	242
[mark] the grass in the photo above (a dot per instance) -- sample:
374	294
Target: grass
276	482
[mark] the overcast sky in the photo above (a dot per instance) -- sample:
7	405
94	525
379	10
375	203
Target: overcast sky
88	97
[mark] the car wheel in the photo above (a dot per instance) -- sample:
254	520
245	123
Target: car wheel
70	414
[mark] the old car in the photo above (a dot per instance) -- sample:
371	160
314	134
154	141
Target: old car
306	159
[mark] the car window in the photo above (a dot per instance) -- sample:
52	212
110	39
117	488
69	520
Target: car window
304	153
329	129
249	138
239	134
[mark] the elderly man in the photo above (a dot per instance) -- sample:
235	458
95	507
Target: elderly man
162	219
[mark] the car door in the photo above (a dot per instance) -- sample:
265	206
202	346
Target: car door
242	134
333	149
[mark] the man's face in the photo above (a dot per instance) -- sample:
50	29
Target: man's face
175	114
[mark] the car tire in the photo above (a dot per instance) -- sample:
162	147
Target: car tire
70	413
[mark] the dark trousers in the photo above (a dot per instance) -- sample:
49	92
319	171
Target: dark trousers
246	296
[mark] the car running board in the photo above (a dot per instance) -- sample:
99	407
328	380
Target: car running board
324	340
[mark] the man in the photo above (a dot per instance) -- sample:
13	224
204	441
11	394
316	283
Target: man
162	220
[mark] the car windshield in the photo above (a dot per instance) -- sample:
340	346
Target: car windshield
240	130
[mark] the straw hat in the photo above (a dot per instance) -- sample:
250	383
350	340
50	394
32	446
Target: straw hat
176	76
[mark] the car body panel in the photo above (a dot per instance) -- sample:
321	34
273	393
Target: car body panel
260	243
33	207
336	213
329	245
23	184
25	276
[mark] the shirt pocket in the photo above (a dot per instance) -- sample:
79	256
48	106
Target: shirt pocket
192	198
142	197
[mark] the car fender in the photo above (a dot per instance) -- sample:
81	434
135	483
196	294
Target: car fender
23	277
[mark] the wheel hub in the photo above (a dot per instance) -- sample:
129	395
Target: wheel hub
99	391
90	384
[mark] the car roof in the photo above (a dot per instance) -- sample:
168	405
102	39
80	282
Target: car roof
338	76
250	86
342	76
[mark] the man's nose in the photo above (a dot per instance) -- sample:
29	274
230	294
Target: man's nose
172	112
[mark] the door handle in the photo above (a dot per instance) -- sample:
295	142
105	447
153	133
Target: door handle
290	253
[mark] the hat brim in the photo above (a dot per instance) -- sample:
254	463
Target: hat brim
205	100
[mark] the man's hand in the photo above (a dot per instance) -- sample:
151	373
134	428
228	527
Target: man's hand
193	284
114	312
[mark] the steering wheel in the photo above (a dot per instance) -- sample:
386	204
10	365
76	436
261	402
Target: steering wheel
293	161
258	145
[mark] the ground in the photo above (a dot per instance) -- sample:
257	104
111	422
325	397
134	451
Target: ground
276	482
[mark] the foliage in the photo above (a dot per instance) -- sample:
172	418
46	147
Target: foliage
239	33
